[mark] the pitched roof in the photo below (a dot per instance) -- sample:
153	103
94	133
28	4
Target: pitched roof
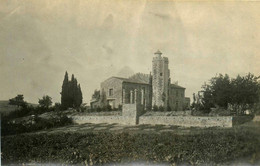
177	86
138	78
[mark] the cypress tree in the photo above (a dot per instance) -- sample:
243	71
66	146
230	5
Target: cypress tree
71	91
71	95
65	92
79	96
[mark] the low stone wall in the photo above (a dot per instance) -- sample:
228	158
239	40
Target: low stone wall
188	121
103	119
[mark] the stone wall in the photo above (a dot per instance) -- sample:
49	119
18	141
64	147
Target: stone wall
103	119
187	121
130	116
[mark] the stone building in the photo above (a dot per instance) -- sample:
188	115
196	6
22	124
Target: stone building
155	88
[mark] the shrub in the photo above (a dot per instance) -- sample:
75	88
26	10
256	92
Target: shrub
161	108
98	109
169	108
10	128
155	108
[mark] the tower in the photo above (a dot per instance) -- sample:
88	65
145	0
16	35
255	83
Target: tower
160	80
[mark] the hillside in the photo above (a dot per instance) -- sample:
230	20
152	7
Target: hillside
5	108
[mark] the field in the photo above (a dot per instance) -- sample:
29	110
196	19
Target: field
96	144
5	108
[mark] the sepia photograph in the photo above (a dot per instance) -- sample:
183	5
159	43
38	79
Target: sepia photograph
130	82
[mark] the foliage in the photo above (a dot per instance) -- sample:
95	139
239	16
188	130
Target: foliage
161	108
34	124
71	95
169	108
96	95
100	148
18	100
45	102
222	91
24	111
57	106
155	108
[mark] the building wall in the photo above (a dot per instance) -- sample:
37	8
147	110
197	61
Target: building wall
161	74
177	99
116	85
128	87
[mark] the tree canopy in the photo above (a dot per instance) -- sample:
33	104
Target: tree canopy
223	90
45	102
18	100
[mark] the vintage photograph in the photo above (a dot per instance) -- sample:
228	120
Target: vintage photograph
130	82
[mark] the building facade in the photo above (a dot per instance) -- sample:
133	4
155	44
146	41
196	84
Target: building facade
156	89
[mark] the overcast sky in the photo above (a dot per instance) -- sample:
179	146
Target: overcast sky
40	40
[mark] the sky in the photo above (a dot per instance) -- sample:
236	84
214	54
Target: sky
96	39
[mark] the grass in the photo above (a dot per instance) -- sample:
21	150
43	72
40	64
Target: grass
205	146
5	108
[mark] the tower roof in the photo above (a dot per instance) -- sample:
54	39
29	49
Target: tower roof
158	52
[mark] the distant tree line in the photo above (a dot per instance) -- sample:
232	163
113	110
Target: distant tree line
71	95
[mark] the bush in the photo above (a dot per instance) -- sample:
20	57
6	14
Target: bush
161	108
108	148
10	128
98	109
169	108
155	108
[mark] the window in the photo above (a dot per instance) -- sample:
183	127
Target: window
110	92
177	94
160	74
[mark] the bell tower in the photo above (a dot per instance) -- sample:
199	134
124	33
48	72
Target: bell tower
161	76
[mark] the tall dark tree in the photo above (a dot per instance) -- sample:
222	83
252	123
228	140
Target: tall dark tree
65	98
72	93
79	96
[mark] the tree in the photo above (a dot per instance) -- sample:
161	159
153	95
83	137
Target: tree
96	95
78	96
246	90
18	101
65	92
71	95
45	102
222	90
